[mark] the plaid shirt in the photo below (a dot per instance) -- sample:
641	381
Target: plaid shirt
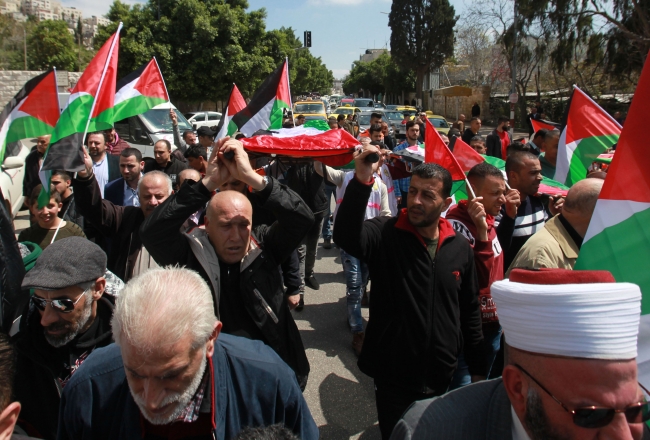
402	185
191	412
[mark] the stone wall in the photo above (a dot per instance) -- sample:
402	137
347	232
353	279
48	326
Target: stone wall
451	107
11	81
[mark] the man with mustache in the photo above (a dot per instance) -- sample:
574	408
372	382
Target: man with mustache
106	167
67	318
173	374
424	307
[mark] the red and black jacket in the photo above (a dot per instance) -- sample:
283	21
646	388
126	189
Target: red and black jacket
423	312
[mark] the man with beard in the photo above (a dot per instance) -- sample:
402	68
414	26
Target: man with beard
577	381
173	374
106	167
402	185
124	191
67	318
424	306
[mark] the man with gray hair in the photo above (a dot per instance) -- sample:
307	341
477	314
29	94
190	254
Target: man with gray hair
127	256
571	366
558	244
67	317
172	374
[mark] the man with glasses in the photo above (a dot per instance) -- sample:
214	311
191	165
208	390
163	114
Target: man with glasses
578	381
67	317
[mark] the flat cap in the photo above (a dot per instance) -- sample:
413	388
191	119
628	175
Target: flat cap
67	262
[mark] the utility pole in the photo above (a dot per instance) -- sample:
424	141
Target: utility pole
25	45
513	93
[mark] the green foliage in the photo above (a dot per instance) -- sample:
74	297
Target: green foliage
381	75
422	35
51	45
203	46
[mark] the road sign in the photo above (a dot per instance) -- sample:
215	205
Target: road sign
514	98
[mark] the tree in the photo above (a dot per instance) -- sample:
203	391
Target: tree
381	75
422	35
473	48
51	45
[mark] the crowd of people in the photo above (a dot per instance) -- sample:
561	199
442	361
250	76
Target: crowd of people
157	295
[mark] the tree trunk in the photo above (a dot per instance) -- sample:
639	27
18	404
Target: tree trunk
420	72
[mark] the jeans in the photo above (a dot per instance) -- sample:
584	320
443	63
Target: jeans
492	342
327	222
356	279
307	250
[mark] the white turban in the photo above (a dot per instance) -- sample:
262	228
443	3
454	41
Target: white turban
592	321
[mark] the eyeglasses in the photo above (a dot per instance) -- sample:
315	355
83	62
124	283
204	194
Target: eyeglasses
593	417
60	305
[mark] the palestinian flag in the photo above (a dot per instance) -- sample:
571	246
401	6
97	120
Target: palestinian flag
539	124
137	93
618	237
94	94
266	108
588	131
333	147
236	103
33	112
436	151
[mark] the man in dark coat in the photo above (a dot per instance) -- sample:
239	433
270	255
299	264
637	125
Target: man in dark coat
240	262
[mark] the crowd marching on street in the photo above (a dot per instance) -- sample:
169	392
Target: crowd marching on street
157	297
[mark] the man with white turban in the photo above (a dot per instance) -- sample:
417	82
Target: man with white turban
578	381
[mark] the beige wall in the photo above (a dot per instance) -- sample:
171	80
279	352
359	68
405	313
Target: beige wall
461	104
11	81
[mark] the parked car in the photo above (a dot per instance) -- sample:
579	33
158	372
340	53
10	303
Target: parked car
13	172
439	123
346	110
203	119
364	103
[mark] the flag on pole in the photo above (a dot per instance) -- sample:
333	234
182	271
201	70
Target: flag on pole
137	93
538	125
588	131
436	151
266	108
93	95
618	237
33	112
236	103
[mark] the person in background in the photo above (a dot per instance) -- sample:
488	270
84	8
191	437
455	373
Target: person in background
172	373
344	124
197	158
49	227
536	141
165	161
460	123
300	119
497	142
62	183
388	140
476	110
472	130
33	163
548	159
402	185
114	144
332	123
106	167
206	137
187	140
478	144
124	191
67	318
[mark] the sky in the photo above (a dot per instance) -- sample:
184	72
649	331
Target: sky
341	30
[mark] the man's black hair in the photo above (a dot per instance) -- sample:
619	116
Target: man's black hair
196	152
502	119
99	133
375	128
541	132
515	147
166	142
515	161
186	132
476	138
128	152
376	115
475	118
340	117
454	132
434	171
410	124
483	170
63	173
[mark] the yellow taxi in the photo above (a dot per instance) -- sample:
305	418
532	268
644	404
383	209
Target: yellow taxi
346	110
439	123
309	108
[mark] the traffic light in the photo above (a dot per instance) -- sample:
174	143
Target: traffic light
307	38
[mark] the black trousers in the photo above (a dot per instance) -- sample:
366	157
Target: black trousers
392	403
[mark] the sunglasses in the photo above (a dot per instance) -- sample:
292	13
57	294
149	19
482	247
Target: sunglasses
593	417
60	305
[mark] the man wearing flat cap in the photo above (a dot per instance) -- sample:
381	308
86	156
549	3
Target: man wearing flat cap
67	317
579	381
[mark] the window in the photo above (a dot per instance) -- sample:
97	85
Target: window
438	123
309	108
213	116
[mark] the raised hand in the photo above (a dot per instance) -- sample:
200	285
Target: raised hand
89	164
513	200
365	169
476	211
217	172
239	166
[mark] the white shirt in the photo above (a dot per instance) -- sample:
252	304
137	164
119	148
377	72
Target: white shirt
131	195
518	431
101	173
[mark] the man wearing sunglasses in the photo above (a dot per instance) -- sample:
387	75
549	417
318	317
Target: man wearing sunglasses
67	317
577	381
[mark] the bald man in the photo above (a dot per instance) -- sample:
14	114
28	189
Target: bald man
239	261
189	173
557	245
126	257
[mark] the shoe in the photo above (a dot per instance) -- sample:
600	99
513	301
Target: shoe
357	342
364	299
301	303
312	283
327	243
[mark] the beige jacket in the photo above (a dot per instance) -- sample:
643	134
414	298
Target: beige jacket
552	247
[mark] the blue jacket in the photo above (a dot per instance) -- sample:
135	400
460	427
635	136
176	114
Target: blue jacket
252	386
